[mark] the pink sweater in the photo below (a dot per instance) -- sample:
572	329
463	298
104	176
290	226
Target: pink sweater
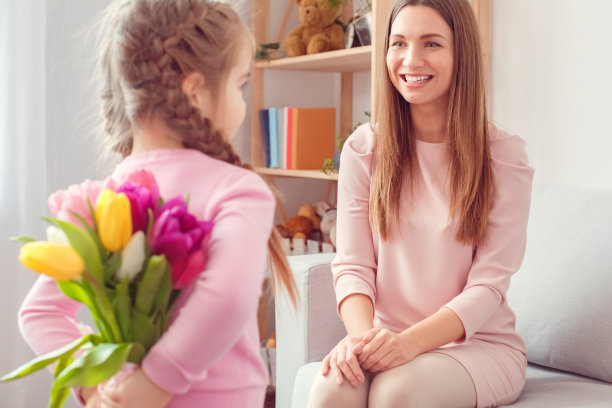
210	354
424	268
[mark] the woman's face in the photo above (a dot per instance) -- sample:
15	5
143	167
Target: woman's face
420	56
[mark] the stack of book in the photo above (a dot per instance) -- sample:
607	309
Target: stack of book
297	138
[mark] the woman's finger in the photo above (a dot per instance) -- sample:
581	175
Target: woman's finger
371	347
353	364
375	358
334	368
325	365
384	363
370	334
347	371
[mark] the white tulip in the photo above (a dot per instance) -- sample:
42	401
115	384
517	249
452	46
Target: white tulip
57	236
132	257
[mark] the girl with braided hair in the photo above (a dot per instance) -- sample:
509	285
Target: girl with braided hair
172	78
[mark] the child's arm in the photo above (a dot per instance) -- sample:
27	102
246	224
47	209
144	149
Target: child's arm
47	318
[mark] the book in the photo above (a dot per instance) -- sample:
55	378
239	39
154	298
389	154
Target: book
273	127
282	137
312	137
265	135
288	134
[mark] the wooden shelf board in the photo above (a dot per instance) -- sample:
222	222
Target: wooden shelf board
312	174
350	60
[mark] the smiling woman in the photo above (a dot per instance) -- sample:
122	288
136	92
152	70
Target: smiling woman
432	212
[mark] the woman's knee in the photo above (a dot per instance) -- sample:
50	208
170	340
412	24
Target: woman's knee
326	393
428	381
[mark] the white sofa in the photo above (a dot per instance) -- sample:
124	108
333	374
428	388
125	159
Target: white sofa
562	296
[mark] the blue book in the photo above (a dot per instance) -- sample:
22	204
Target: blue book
274	142
265	135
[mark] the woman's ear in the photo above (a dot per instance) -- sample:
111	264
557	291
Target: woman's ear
192	86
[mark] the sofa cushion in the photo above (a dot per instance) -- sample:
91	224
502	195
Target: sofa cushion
562	293
545	387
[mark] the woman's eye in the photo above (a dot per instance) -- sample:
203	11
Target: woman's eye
396	43
431	44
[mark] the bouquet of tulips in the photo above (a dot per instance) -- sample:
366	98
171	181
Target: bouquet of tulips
125	253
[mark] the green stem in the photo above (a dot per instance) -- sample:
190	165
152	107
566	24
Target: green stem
105	310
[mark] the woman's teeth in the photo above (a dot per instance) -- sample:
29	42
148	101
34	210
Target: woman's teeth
416	79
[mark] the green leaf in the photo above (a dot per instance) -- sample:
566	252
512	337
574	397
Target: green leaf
164	290
143	329
84	245
82	292
63	363
102	305
22	239
93	367
121	307
91	231
137	353
49	358
75	291
111	265
152	278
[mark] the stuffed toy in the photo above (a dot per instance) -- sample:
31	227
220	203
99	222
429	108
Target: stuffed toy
303	225
328	225
318	32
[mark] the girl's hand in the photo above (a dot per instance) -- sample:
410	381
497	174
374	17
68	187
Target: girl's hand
137	391
343	362
90	396
382	349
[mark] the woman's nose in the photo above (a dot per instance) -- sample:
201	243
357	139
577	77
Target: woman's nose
412	57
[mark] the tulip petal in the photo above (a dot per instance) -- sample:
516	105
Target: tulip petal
184	272
114	220
132	257
57	261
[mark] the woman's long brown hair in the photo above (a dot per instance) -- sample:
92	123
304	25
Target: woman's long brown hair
148	48
470	175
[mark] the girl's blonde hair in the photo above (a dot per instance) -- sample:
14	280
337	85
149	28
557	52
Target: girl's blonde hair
148	47
470	174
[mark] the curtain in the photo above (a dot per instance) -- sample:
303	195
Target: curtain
22	179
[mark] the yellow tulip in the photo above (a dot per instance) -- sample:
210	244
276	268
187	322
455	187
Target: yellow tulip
57	261
114	220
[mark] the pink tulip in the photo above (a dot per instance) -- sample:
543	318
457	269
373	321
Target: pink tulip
74	199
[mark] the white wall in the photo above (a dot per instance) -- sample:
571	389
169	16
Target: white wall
552	84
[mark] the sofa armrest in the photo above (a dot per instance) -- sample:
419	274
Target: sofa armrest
309	333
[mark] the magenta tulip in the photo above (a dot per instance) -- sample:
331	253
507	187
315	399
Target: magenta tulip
179	236
142	198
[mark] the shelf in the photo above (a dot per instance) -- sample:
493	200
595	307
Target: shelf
311	174
350	60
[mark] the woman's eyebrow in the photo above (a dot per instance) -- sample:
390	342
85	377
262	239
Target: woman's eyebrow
424	36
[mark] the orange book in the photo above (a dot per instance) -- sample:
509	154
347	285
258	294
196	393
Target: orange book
312	137
289	133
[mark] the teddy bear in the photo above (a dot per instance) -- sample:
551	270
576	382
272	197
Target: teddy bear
318	32
302	225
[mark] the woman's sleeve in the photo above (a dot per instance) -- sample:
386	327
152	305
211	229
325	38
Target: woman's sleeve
224	298
354	267
501	255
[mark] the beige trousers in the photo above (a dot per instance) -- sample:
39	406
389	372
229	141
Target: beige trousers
432	380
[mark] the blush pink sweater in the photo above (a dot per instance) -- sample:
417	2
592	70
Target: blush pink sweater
209	357
423	267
